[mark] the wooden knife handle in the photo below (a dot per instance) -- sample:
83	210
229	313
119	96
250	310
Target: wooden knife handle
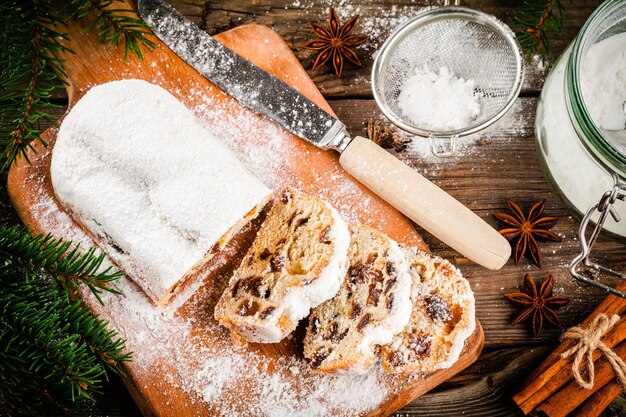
425	203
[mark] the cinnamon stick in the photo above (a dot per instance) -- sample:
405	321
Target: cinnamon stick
573	395
553	364
599	401
562	371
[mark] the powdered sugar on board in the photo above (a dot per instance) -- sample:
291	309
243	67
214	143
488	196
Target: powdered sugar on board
269	160
167	344
192	356
176	351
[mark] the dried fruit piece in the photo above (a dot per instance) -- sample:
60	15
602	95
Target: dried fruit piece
265	254
333	333
419	344
235	289
267	312
362	273
248	308
364	320
390	284
286	197
395	359
374	294
277	262
355	311
302	222
437	308
325	235
390	301
318	358
316	325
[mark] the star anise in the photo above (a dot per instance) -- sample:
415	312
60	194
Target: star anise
538	305
524	230
385	137
335	43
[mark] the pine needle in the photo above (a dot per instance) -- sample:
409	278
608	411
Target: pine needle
539	18
64	262
32	68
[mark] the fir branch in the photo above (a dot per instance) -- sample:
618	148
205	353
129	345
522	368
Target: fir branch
539	18
49	340
32	67
60	259
31	72
115	24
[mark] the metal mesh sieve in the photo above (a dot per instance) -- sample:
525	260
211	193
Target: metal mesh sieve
471	44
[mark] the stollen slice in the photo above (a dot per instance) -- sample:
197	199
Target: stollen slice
372	306
443	317
297	261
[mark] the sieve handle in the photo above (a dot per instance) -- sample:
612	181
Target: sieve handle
425	203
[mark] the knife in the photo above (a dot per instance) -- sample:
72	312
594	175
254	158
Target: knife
398	184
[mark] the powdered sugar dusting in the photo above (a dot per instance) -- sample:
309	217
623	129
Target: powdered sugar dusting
267	154
511	126
140	201
375	21
196	356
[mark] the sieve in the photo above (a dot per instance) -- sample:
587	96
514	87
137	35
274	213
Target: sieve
472	44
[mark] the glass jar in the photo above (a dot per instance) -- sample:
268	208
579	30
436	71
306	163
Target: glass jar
582	160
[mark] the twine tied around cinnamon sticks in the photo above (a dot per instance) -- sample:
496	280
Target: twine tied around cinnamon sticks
589	340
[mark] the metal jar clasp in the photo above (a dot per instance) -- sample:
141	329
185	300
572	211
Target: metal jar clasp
588	273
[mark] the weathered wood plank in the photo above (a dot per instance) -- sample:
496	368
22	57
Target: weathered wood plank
377	19
489	391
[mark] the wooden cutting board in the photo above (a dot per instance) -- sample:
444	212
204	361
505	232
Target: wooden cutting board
184	364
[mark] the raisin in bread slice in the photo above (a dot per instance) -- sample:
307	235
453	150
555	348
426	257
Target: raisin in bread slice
372	306
297	261
442	318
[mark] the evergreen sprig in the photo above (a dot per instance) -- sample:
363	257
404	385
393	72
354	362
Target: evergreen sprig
61	260
31	46
53	351
31	72
114	24
50	344
539	18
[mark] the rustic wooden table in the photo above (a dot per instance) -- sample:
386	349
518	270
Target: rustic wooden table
498	163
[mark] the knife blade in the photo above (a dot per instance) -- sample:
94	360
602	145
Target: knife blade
398	184
249	84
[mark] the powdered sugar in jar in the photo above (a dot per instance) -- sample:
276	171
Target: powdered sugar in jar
581	120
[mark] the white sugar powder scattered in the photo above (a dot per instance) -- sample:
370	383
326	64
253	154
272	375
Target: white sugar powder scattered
439	100
196	356
603	82
143	174
190	353
375	21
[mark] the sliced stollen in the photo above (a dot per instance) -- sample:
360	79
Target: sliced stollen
150	183
443	317
372	306
297	261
